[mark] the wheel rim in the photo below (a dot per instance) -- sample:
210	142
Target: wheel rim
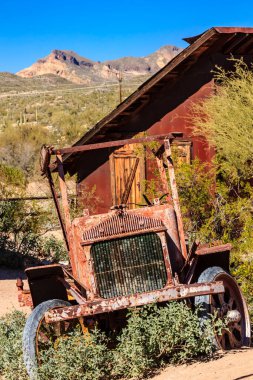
48	334
231	306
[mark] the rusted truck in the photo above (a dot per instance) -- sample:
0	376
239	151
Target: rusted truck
127	258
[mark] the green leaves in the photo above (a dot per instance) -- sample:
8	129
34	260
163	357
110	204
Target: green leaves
225	119
77	357
57	119
153	335
195	185
11	359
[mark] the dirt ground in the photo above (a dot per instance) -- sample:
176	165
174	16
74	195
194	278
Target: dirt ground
8	291
236	365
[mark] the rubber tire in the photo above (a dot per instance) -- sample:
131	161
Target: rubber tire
30	331
209	275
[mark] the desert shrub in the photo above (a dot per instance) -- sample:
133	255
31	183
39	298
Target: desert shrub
53	249
20	146
23	223
11	358
242	269
11	176
225	119
196	190
28	122
80	357
153	336
34	250
230	217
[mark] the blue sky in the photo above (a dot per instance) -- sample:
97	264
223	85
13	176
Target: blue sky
100	30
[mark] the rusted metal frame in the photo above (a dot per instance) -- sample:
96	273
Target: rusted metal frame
214	249
45	156
175	197
45	162
108	144
65	204
166	257
130	181
77	296
57	206
191	259
94	293
121	222
99	306
192	267
112	177
19	199
118	236
77	282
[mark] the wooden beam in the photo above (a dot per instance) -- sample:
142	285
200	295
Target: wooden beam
109	144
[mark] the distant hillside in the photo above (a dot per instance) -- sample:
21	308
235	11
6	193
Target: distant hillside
80	70
145	65
11	83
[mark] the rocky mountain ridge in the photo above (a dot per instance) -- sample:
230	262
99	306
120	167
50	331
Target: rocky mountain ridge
80	70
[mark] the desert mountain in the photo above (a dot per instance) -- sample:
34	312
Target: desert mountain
77	69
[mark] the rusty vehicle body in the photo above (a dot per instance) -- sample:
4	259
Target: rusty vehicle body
128	258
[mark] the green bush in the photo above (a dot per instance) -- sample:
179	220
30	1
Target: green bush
227	125
195	183
225	119
153	336
53	249
34	250
242	269
79	357
11	359
22	225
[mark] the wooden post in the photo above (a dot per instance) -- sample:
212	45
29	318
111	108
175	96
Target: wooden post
120	78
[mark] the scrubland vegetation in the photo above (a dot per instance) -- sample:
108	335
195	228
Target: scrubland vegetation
153	337
228	213
221	211
57	119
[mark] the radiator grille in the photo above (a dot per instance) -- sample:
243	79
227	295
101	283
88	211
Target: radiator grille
122	223
129	265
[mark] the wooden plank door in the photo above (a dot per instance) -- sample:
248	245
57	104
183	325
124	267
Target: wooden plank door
123	162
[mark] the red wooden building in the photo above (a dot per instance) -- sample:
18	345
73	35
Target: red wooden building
158	106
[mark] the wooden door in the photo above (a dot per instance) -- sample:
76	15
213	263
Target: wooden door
124	164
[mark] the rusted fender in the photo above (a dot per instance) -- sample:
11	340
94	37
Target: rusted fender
207	250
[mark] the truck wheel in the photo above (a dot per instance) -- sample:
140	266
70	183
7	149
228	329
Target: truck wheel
230	305
37	334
